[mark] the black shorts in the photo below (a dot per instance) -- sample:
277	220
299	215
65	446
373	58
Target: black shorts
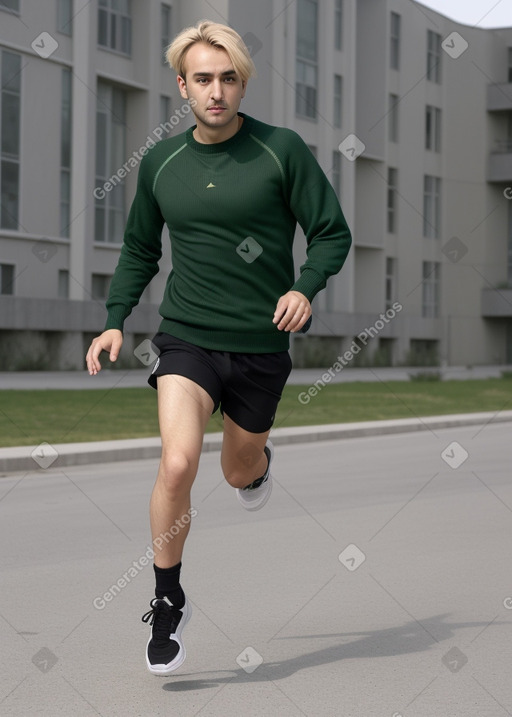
246	386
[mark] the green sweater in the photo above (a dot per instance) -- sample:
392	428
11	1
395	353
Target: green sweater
231	209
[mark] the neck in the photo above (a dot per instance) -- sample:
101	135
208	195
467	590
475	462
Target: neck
213	135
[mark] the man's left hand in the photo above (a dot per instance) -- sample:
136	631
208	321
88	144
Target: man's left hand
292	311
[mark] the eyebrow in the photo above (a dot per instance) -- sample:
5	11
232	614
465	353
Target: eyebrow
227	73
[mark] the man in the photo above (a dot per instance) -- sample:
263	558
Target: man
231	190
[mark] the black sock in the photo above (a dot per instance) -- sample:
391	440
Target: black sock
258	481
266	453
168	584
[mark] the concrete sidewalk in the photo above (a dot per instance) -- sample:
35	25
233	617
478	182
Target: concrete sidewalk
41	458
106	379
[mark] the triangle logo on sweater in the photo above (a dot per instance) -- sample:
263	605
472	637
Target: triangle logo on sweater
210	185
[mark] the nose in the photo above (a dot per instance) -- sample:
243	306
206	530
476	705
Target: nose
216	90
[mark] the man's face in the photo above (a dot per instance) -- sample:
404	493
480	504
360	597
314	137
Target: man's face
213	84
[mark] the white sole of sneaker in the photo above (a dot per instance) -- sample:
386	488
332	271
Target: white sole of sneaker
259	503
164	670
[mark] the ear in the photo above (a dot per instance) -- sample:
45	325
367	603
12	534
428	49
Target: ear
244	87
182	87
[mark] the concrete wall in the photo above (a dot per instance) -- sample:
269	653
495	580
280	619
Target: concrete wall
474	211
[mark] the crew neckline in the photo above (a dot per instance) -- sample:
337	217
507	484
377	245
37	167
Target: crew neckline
219	147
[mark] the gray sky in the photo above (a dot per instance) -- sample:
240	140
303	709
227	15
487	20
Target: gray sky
484	13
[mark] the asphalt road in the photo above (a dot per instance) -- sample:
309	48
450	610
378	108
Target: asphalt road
414	620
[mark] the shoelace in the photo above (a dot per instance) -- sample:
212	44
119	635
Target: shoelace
163	618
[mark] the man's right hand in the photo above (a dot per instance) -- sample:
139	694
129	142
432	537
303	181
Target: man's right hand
110	340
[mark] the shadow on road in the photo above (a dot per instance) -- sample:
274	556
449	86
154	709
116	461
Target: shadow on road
410	637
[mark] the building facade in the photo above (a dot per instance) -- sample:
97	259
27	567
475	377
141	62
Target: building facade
408	112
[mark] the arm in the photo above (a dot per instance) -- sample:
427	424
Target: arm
140	253
138	264
314	204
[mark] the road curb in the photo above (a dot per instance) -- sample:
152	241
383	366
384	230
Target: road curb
39	459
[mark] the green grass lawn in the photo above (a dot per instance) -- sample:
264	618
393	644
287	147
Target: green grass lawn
30	417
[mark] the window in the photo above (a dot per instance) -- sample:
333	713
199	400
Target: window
509	246
115	25
65	17
393	118
395	41
385	352
63	284
424	352
430	297
508	341
10	107
338	24
65	154
307	56
431	206
433	56
392	196
338	88
12	5
433	129
336	172
6	279
390	282
165	29
100	285
165	114
305	103
110	156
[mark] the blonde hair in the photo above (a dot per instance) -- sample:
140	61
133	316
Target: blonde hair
216	35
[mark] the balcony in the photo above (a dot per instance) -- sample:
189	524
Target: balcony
497	303
499	97
500	162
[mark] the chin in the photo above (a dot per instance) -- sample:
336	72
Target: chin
217	121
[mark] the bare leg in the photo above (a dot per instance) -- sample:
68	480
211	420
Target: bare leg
242	458
184	409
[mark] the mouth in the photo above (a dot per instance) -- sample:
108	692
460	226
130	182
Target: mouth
216	109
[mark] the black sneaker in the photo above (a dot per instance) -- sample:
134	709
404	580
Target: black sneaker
165	651
255	495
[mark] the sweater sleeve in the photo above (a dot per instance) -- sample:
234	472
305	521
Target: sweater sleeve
140	253
315	205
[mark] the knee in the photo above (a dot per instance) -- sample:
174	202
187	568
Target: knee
177	472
